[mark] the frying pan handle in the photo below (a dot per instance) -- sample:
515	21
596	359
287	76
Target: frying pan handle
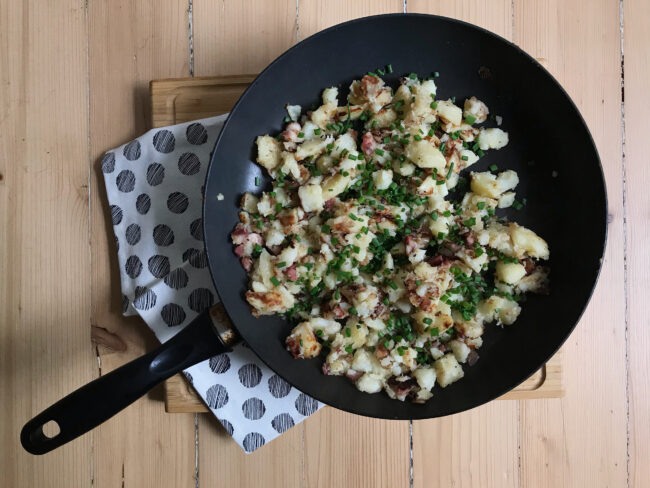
92	404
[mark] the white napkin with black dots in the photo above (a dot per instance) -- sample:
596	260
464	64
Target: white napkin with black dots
155	190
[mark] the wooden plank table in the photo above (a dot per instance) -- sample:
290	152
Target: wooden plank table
74	77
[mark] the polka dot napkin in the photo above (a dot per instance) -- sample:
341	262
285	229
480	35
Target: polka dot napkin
154	185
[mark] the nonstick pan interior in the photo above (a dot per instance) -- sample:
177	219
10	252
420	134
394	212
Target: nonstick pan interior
550	148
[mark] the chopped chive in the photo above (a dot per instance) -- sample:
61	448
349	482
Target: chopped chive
349	349
434	216
319	333
317	132
389	68
436	74
380	72
427	320
275	281
337	294
257	181
417	137
281	264
325	229
413	76
433	105
464	158
451	167
287	119
493	167
385	301
348	331
379	152
434	331
301	134
440	182
352	311
278	207
478	251
470	119
392	284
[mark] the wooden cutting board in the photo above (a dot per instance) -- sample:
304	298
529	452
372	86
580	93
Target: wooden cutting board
174	101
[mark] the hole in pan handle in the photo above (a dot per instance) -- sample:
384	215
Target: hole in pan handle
86	408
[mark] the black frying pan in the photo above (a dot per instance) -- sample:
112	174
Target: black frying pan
550	148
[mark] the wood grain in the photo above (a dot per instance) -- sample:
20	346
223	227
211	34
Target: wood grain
342	449
316	15
180	100
241	36
44	256
495	16
581	439
466	444
637	105
131	42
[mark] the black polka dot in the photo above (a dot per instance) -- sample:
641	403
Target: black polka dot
278	387
189	377
125	181
108	163
164	141
253	409
158	265
133	234
250	375
144	298
143	203
306	405
228	426
132	150
125	303
172	314
155	174
283	422
196	229
163	235
177	279
216	396
196	258
116	214
189	164
200	299
196	134
219	364
177	202
133	267
253	441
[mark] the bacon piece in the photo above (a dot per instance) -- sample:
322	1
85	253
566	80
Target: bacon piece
381	352
291	272
246	262
290	133
353	375
368	144
402	387
239	250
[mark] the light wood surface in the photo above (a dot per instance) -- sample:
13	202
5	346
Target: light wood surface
637	205
74	77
